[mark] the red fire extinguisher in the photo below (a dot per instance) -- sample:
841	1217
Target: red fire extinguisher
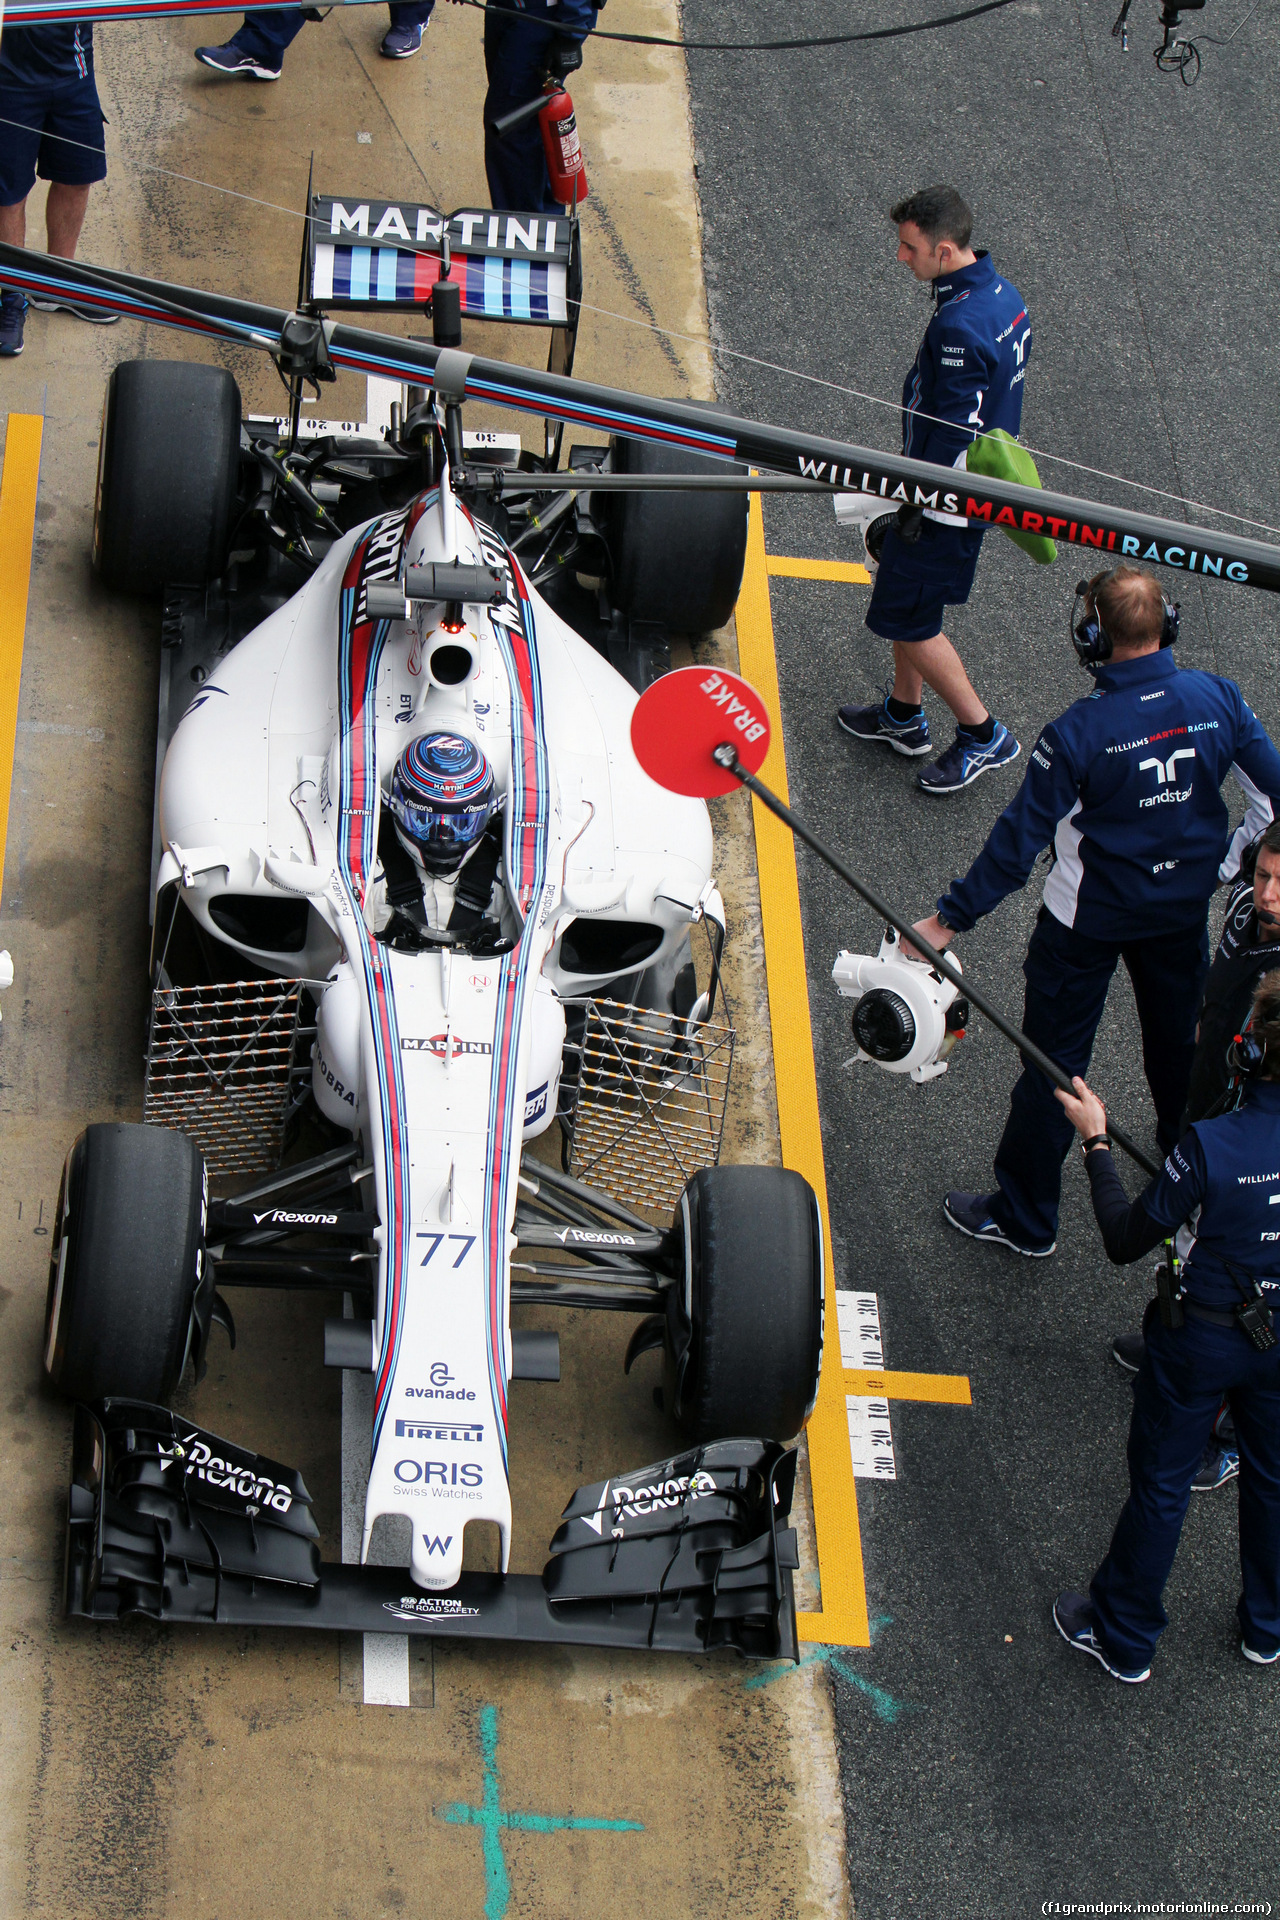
563	148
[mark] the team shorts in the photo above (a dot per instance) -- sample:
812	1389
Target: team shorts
916	580
58	136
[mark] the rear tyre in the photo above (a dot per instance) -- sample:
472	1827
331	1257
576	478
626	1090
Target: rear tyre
168	465
744	1345
125	1263
677	557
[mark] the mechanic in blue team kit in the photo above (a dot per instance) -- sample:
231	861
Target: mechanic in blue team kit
256	51
50	124
1216	1340
1124	787
1248	948
967	380
525	43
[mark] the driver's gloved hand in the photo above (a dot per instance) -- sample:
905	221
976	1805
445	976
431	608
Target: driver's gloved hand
565	57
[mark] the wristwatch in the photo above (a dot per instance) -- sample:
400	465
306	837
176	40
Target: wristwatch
1094	1141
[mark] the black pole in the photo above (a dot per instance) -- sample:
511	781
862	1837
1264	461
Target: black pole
727	757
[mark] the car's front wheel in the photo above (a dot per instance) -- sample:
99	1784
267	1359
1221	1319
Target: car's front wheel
124	1263
744	1327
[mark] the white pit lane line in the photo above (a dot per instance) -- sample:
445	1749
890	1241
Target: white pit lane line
386	1655
862	1348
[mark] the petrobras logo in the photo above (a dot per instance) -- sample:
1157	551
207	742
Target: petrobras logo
422	1606
441	1044
535	1104
460	1430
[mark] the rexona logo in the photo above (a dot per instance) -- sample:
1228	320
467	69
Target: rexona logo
421	1606
280	1217
464	1430
591	1237
439	1473
637	1503
439	1044
257	1490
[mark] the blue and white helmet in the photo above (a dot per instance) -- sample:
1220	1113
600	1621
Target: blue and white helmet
442	799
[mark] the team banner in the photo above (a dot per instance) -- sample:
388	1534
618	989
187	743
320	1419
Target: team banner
1112	533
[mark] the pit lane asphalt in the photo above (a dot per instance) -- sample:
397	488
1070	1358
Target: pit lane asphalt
1137	219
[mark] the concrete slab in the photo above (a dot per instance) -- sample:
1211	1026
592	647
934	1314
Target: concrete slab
148	1773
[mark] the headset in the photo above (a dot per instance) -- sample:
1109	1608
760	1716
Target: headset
1090	638
1247	1055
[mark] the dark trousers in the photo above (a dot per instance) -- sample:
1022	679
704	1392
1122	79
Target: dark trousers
515	59
1068	974
266	35
1179	1387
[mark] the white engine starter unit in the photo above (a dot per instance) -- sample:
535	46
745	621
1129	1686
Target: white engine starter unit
906	1016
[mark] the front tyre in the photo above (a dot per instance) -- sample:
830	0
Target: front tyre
125	1263
744	1331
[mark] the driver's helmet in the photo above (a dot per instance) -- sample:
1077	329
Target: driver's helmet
442	799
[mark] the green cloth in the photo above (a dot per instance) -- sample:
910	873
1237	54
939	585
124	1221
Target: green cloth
997	456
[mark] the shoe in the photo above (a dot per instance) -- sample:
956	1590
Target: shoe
398	43
1217	1466
91	314
971	1213
236	64
13	313
877	723
967	759
1127	1350
1074	1617
1259	1659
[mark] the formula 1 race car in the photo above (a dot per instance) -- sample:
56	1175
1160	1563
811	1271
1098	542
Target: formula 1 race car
335	613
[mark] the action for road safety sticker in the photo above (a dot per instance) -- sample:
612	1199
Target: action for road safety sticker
862	1348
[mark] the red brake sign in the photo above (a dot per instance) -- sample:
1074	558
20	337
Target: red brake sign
680	721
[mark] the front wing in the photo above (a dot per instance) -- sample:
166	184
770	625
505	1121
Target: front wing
175	1524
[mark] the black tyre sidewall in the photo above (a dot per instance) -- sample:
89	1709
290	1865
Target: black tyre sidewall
168	468
132	1262
757	1304
677	557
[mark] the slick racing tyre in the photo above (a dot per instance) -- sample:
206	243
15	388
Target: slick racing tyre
744	1340
125	1263
677	557
168	466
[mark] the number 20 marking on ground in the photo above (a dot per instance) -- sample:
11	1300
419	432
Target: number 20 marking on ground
437	1239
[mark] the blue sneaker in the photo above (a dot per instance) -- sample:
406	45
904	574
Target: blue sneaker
1076	1621
967	759
1259	1659
971	1213
235	63
13	314
877	723
1218	1464
399	43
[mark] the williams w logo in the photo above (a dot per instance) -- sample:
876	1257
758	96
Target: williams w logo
434	1544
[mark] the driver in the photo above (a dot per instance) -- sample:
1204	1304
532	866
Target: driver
440	838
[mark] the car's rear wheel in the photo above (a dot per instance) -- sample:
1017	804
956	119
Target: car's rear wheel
744	1333
168	464
125	1263
677	557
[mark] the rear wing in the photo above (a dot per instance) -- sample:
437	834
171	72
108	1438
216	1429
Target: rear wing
373	256
383	256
